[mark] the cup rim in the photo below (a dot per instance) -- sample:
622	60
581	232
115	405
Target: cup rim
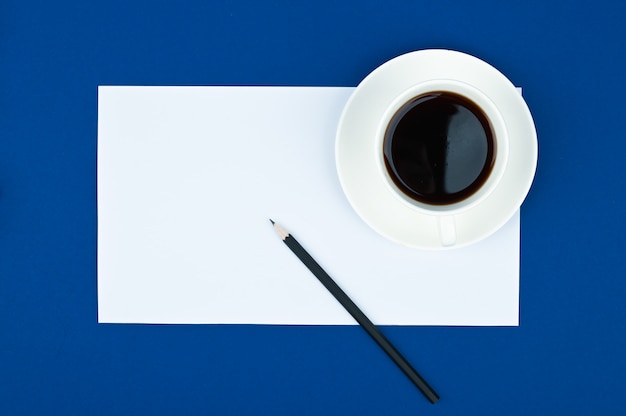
497	125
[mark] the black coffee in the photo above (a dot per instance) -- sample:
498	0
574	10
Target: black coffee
439	148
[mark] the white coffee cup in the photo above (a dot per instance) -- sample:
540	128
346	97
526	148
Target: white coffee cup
360	160
446	213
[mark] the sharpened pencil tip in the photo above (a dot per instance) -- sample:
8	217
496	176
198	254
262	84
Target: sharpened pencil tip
272	221
281	232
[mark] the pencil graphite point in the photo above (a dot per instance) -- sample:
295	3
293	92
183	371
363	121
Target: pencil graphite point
272	221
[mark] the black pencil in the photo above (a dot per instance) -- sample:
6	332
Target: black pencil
358	315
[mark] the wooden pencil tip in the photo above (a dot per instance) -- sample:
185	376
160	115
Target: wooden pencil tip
281	232
272	221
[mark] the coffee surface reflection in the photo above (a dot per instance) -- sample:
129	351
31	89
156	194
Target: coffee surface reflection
439	148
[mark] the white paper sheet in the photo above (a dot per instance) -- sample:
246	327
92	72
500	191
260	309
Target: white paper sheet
188	178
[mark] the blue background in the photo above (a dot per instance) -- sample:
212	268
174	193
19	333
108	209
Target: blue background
567	357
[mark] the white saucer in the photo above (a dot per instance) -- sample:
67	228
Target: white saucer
358	172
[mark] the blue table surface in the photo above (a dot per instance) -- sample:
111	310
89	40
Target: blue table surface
568	355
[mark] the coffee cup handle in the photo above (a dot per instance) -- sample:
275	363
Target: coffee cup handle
447	230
